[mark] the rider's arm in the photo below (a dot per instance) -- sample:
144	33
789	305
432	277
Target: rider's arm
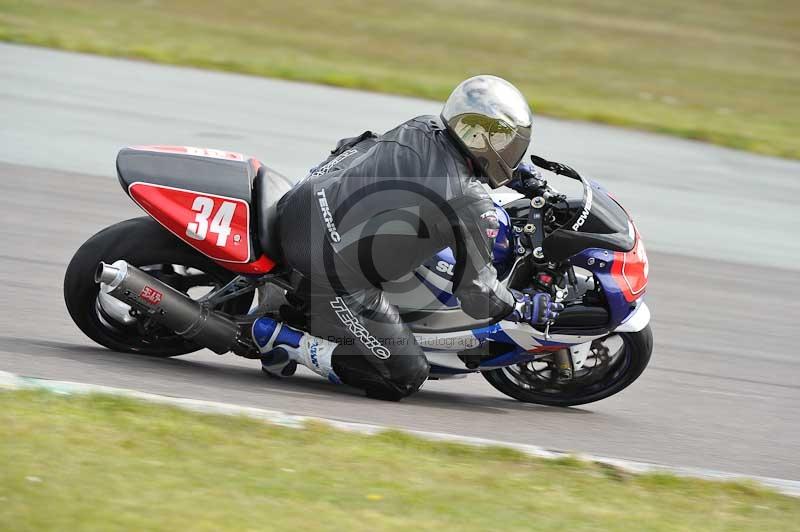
480	293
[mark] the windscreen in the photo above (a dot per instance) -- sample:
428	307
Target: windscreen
597	222
600	214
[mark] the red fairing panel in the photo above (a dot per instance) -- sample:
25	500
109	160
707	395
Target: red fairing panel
262	265
217	226
203	196
630	270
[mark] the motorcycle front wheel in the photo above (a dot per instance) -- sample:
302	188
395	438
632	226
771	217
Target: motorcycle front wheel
614	363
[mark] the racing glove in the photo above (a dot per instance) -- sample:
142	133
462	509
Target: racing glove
536	308
525	170
525	176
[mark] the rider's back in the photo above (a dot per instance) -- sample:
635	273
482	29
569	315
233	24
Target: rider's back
397	190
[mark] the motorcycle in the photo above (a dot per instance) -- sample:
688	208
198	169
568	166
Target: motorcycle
205	264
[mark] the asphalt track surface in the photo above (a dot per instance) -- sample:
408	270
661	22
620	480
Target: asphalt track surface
722	390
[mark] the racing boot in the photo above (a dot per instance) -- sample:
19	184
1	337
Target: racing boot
283	347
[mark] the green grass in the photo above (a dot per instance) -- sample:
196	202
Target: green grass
724	71
106	463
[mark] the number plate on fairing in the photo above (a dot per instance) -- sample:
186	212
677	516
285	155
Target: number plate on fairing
217	226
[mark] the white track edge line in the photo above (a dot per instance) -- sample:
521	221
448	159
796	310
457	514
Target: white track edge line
13	381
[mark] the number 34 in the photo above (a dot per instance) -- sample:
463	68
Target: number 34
220	223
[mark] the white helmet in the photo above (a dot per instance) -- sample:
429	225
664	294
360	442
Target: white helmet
491	120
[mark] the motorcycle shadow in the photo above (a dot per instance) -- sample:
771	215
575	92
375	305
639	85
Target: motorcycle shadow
245	378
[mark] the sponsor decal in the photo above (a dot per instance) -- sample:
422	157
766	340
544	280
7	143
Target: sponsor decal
349	320
585	214
313	349
490	218
327	217
445	267
324	169
151	295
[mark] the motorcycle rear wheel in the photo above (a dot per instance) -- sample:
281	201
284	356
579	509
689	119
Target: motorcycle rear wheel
527	384
143	243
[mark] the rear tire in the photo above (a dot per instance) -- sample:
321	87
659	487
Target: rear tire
638	346
140	242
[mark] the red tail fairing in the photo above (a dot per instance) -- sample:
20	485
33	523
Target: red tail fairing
191	150
216	225
203	196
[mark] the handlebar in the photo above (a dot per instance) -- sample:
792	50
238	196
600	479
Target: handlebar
530	183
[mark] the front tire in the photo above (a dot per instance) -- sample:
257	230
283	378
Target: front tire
142	242
521	382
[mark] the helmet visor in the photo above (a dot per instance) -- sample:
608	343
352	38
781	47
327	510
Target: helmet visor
497	145
508	144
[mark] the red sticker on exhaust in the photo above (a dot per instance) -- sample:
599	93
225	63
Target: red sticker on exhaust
151	295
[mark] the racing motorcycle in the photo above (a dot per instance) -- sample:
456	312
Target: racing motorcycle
205	264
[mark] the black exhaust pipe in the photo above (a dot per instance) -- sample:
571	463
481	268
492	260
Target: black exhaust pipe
167	306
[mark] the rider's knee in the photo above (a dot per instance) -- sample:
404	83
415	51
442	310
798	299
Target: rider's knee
415	373
401	377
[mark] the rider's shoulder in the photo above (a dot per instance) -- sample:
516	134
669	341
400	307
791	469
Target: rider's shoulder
474	188
417	128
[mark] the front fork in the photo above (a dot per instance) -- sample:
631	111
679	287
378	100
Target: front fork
571	359
564	366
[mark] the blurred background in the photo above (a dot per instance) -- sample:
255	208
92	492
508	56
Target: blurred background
722	71
689	112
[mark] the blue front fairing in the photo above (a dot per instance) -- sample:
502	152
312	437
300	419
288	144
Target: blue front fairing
597	259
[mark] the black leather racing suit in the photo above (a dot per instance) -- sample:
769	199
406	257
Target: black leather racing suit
374	211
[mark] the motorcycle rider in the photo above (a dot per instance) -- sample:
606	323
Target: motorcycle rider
374	211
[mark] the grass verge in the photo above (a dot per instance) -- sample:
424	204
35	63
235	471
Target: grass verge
724	71
108	463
